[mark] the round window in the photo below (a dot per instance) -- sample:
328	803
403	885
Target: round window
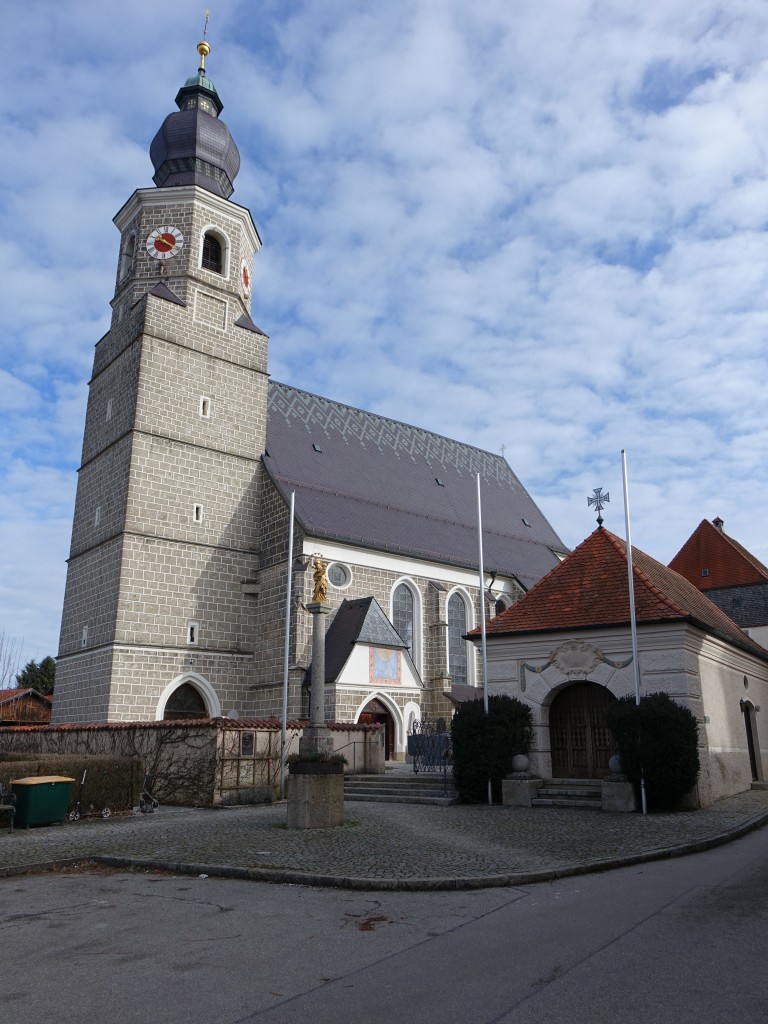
339	575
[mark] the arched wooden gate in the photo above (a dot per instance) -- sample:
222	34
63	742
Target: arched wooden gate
580	740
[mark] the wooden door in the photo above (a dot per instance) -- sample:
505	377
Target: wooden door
376	714
580	740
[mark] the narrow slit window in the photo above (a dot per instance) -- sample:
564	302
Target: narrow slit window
84	641
197	513
97	516
109	409
205	407
193	632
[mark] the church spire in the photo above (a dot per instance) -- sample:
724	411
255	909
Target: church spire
193	146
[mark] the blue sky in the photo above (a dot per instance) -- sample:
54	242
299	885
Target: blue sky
540	225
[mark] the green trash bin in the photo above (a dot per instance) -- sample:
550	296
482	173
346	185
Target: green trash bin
41	799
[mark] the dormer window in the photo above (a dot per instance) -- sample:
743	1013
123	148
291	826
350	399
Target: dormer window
213	253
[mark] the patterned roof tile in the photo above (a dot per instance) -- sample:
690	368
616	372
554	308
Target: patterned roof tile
589	589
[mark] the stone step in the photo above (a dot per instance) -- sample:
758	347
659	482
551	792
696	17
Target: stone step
579	792
591	783
403	789
574	793
436	801
384	787
594	805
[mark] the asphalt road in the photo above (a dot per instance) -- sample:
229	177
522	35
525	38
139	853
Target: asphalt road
679	940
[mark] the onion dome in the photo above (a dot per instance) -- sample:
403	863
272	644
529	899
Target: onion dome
193	147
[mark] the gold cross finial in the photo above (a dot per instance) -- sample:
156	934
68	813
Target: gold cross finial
204	48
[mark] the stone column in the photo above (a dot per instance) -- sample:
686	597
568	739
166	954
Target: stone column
317	738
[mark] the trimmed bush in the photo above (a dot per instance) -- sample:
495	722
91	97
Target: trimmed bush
657	739
484	745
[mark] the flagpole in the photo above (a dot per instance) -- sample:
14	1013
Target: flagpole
482	612
632	617
286	649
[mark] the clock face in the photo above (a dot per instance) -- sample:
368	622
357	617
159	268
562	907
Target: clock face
245	277
164	242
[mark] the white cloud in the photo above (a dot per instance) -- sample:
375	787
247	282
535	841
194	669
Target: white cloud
541	226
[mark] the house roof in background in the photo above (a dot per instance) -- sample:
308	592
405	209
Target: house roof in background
8	695
369	481
589	589
711	559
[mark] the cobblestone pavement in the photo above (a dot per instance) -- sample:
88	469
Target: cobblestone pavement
383	846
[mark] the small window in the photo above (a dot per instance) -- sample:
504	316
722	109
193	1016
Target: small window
247	744
109	409
193	632
126	257
97	516
197	513
205	407
213	255
339	575
84	641
705	572
500	606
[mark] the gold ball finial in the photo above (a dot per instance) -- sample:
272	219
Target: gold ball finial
203	49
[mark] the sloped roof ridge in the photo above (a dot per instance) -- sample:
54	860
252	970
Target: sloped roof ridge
740	549
621	547
437	445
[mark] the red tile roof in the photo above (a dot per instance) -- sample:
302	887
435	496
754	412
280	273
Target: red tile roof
6	695
728	564
589	588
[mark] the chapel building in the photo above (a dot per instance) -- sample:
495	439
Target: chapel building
177	576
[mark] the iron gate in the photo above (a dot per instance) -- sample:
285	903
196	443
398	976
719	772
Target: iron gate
430	746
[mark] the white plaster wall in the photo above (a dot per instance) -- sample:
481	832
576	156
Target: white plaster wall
356	671
723	669
700	672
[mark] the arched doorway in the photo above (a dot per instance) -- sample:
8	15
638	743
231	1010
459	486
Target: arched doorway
579	738
185	702
375	712
748	710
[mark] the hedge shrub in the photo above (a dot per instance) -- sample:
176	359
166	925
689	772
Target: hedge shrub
113	782
484	745
658	739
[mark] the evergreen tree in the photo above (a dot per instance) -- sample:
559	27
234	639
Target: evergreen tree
38	677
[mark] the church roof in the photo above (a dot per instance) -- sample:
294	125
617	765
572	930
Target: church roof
366	480
589	589
357	622
711	559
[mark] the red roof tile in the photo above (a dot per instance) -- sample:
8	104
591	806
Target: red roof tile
589	588
726	562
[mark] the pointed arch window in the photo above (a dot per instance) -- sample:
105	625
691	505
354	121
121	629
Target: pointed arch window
403	615
213	253
458	661
186	702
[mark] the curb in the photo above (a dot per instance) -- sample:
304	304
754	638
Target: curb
434	884
286	876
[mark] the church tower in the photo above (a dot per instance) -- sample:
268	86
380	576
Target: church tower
159	616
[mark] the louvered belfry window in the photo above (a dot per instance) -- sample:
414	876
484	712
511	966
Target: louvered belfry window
212	253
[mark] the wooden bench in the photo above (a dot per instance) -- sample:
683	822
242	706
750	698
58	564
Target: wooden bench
7	805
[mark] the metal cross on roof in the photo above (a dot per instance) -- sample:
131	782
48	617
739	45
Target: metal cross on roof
598	501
